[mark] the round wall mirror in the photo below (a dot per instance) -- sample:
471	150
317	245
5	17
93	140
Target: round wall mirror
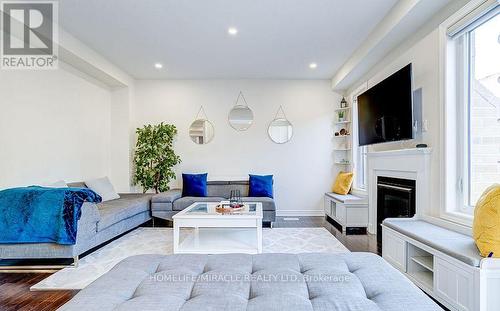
201	131
240	117
280	130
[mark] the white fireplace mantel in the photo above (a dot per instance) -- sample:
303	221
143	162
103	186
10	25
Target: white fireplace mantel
411	164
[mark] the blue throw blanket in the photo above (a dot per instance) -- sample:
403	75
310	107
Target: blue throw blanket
42	215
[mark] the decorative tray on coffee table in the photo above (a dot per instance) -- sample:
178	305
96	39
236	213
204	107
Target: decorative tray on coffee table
229	209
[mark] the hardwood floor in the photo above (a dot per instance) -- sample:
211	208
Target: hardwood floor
15	293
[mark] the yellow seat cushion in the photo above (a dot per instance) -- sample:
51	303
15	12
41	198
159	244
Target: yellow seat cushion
486	225
343	183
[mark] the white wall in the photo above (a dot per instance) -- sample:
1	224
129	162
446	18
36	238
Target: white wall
303	168
54	125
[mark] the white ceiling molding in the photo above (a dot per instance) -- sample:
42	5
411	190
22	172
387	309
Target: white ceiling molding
76	54
402	22
390	21
86	60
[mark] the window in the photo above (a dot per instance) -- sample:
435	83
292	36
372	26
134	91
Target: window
483	141
477	61
361	167
359	152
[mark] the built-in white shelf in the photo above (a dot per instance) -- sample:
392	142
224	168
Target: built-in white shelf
425	278
342	122
343	109
425	261
342	136
342	149
343	163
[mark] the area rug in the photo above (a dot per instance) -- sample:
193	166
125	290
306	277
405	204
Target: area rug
159	241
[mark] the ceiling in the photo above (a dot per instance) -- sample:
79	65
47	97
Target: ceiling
276	39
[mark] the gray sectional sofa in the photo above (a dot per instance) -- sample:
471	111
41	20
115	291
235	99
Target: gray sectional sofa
102	222
98	224
167	204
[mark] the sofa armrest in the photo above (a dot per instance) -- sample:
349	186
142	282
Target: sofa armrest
167	197
89	218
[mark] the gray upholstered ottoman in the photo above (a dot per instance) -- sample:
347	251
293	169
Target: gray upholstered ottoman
354	281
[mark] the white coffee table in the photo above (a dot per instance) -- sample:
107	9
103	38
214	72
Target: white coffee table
215	233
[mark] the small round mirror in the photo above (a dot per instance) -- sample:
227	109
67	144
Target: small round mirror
240	117
280	131
201	131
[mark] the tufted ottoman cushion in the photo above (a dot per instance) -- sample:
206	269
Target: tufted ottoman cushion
312	281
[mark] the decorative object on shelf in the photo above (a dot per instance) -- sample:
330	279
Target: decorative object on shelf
421	146
201	130
341	115
280	130
241	116
343	103
343	132
337	134
344	162
154	157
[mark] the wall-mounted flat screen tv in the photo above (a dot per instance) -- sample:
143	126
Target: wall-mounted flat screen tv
385	111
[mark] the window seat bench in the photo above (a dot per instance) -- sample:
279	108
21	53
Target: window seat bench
454	244
443	263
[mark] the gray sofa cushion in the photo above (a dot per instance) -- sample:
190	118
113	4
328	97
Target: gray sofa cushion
167	196
128	205
267	203
184	202
354	281
223	188
454	244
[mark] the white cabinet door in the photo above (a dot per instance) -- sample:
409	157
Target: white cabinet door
328	208
356	216
454	284
340	213
394	250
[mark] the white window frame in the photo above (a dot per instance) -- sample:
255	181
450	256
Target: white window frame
454	96
358	152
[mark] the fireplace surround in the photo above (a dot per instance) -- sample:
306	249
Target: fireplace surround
412	165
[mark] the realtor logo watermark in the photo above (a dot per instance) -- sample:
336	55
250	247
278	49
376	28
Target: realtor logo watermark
30	35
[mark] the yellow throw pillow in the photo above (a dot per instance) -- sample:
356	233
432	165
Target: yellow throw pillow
343	183
486	225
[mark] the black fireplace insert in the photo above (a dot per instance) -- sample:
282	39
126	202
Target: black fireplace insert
395	199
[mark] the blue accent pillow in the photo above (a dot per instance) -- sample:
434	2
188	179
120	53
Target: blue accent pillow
194	185
261	186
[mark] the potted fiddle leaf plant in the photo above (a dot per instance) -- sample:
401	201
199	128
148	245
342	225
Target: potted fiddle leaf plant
154	157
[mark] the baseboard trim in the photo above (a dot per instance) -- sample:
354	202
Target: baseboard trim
300	213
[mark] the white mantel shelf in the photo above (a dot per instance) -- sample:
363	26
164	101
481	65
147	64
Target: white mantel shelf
399	152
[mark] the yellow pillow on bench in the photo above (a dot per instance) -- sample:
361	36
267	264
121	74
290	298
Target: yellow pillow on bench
343	183
486	225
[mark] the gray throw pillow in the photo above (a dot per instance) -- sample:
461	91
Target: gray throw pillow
103	187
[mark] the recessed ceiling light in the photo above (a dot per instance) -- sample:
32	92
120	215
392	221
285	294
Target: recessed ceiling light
232	31
313	65
158	66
